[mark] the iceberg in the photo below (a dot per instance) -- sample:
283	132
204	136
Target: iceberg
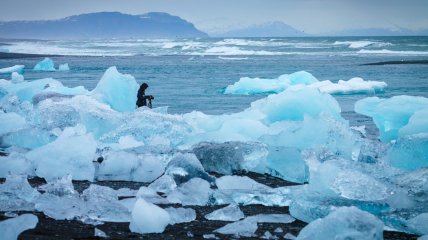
11	228
15	68
64	67
344	223
228	213
117	90
45	65
302	79
148	218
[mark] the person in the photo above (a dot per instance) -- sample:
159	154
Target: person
142	97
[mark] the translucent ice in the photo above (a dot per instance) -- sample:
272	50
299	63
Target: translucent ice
72	153
229	157
184	167
99	233
196	191
391	119
16	68
45	65
11	228
164	184
409	153
11	122
16	194
245	228
148	218
15	163
288	164
181	215
64	67
419	224
118	90
344	223
228	213
273	218
239	183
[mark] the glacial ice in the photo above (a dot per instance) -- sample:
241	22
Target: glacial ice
180	215
243	228
184	167
394	122
16	78
419	224
99	233
196	191
11	122
249	86
115	90
344	223
228	213
45	65
71	153
148	218
15	68
64	67
16	194
11	228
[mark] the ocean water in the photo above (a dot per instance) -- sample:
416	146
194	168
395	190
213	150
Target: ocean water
190	74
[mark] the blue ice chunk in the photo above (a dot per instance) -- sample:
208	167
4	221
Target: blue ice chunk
15	68
409	153
118	90
45	65
396	117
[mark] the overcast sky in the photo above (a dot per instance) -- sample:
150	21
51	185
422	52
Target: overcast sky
312	16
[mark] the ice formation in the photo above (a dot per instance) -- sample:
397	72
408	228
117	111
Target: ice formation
298	134
394	122
45	65
64	67
228	213
11	228
344	223
251	86
16	68
115	89
16	78
148	218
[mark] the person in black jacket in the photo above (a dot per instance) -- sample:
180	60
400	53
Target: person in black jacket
142	97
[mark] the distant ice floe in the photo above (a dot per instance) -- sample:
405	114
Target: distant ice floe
48	65
249	86
298	134
16	68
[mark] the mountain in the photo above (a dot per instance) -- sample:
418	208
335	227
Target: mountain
379	32
102	25
271	29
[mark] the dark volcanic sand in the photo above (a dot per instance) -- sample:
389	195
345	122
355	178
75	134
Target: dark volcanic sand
48	228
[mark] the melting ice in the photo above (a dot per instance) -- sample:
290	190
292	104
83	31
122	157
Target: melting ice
298	134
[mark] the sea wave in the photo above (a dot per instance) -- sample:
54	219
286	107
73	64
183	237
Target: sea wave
391	52
362	44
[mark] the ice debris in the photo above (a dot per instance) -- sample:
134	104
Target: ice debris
45	65
344	223
243	228
99	233
15	68
180	215
148	218
196	191
16	194
250	86
228	213
11	228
